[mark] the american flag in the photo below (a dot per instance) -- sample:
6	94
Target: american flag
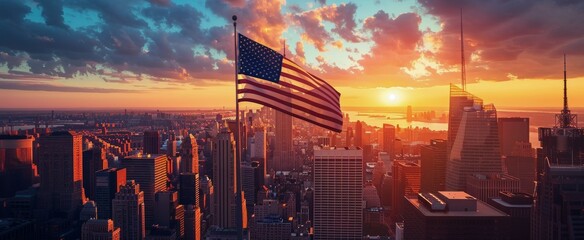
268	78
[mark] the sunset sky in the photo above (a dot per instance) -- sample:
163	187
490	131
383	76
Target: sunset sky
179	53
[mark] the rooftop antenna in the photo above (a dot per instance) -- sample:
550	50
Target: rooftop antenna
566	119
284	47
463	67
565	89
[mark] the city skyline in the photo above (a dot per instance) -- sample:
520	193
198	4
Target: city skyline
379	53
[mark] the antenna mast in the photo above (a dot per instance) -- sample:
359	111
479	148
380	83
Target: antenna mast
565	87
463	62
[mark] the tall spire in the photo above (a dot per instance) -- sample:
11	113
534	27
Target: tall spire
462	61
565	88
566	119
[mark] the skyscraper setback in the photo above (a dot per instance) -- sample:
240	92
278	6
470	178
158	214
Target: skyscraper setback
475	146
128	211
149	171
189	155
107	184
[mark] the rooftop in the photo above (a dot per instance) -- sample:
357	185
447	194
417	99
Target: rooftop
483	210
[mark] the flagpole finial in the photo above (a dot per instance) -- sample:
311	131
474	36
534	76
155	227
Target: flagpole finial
234	17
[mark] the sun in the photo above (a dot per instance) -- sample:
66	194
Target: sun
391	98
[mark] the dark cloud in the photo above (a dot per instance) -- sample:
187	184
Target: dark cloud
113	11
32	86
522	38
13	10
161	2
52	12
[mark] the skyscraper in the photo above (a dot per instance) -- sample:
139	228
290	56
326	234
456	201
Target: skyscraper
192	222
93	160
338	194
61	170
224	179
151	142
100	229
433	166
388	139
189	155
107	184
358	134
557	211
459	100
283	152
189	189
149	171
406	182
15	164
476	144
169	213
512	131
128	211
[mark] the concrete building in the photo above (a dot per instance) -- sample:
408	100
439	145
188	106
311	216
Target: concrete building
389	140
169	213
338	194
93	160
128	211
192	222
151	142
189	155
224	179
406	182
283	159
189	189
149	171
452	215
61	170
433	166
512	131
15	164
518	207
485	187
107	184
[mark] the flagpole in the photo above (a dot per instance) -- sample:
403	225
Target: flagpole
238	197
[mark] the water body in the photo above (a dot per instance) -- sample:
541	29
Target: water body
543	117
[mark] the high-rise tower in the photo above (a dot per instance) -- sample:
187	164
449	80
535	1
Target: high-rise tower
559	197
283	159
224	179
61	170
128	211
150	172
338	194
189	155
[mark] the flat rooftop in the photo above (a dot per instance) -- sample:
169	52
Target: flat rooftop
483	210
510	205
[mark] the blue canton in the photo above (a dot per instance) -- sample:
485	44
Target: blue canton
259	61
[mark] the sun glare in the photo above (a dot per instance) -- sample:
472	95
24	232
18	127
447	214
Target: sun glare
391	98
